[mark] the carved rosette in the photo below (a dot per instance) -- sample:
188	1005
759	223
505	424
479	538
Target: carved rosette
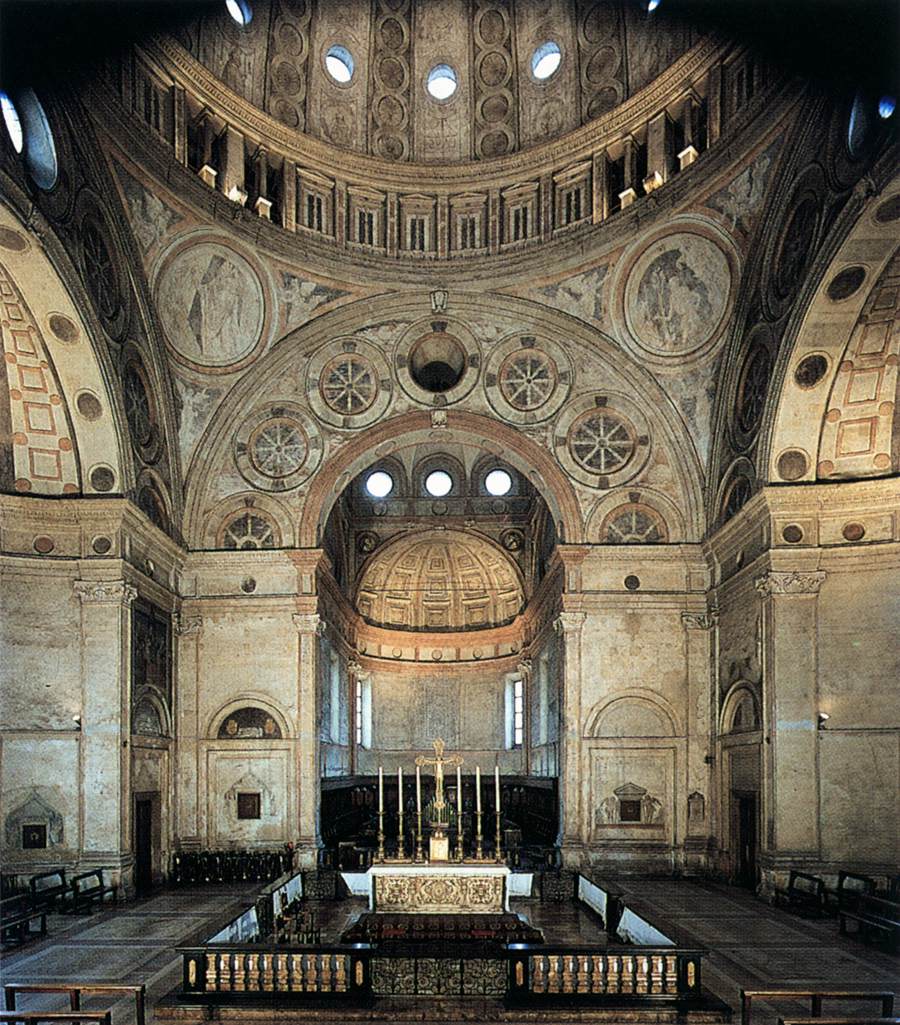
790	582
105	592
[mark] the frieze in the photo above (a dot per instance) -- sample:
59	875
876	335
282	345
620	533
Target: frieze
443	894
187	626
791	582
106	592
699	620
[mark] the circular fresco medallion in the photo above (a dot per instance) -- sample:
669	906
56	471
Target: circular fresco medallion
348	383
277	447
602	440
677	294
526	378
211	305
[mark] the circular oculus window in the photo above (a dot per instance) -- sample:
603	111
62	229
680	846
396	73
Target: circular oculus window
498	483
441	82
545	60
240	11
339	64
379	484
12	122
438	483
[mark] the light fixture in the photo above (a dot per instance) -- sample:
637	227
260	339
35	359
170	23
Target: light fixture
886	107
438	483
823	718
77	720
240	11
441	82
339	63
379	484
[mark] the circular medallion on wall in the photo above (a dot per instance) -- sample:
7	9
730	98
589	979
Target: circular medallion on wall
753	386
437	361
140	410
527	379
677	293
278	447
348	383
100	269
602	440
212	306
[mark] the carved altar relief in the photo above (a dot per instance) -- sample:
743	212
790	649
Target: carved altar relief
446	892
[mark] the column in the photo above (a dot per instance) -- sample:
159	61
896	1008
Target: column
570	625
105	724
790	716
188	633
310	628
699	629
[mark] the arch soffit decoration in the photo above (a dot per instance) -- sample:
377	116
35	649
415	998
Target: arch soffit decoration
249	700
253	502
796	417
80	363
733	699
646	700
530	458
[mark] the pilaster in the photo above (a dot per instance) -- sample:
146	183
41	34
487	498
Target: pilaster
188	637
699	631
570	626
310	628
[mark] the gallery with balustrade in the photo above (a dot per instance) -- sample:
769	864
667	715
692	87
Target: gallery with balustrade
449	510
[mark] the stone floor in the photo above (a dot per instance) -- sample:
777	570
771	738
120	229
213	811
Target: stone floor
750	944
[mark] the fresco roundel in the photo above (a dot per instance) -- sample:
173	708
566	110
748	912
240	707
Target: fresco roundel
677	294
211	305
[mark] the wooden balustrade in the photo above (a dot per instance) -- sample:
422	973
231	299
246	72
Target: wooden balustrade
77	991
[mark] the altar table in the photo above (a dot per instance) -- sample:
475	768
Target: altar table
434	889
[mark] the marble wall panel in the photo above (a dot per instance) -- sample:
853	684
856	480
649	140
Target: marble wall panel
230	773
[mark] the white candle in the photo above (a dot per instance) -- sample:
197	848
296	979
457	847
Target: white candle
458	798
400	790
418	790
497	787
380	790
478	789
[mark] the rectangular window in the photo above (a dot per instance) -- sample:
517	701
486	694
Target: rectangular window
363	713
248	806
365	231
468	238
518	713
314	208
519	223
417	234
359	713
572	202
335	682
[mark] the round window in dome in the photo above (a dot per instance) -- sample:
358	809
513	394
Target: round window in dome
240	11
545	60
379	484
437	362
339	63
12	122
40	149
438	483
652	5
886	107
498	483
441	82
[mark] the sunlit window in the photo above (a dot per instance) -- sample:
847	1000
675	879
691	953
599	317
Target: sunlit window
339	63
40	149
379	484
12	122
438	483
240	11
518	713
886	107
545	60
498	482
441	82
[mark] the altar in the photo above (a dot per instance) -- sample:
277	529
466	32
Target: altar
438	889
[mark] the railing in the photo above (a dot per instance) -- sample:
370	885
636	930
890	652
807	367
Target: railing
608	972
411	211
192	868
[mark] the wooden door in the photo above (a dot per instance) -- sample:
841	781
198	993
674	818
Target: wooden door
143	844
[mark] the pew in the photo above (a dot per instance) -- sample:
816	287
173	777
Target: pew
77	991
50	889
815	998
17	915
36	1017
88	888
874	916
804	893
850	887
839	1021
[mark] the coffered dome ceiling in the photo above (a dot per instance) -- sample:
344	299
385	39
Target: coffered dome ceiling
609	50
440	580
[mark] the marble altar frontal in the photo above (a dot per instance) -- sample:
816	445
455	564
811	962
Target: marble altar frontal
439	889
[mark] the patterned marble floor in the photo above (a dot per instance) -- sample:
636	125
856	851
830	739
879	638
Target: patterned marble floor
750	944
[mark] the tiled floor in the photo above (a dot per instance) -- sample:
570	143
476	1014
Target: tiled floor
750	944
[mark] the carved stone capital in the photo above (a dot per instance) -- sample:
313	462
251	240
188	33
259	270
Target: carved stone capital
569	622
309	623
105	592
790	582
524	666
354	667
186	626
700	620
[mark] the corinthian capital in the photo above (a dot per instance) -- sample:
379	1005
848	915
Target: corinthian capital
569	622
700	620
790	582
309	623
105	592
524	666
186	626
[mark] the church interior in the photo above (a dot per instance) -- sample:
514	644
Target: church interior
449	510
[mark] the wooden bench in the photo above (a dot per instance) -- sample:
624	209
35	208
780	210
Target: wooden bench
874	916
50	889
89	887
76	992
16	917
815	998
850	887
839	1021
804	893
35	1017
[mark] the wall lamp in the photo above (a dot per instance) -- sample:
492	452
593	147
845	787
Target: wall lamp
823	718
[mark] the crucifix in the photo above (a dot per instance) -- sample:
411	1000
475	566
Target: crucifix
439	842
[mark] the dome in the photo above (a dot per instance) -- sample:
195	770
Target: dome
382	100
439	580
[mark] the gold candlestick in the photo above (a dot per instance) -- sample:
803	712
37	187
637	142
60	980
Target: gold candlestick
420	854
380	854
459	807
401	846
